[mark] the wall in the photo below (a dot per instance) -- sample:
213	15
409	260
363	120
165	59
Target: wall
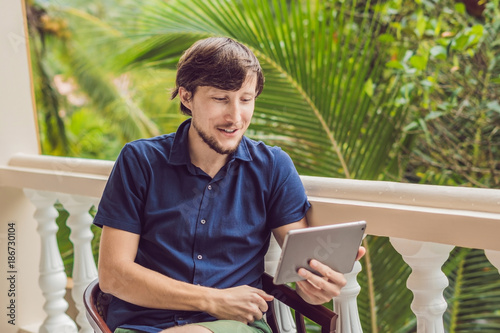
18	133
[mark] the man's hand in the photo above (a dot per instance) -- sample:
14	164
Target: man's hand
321	289
245	304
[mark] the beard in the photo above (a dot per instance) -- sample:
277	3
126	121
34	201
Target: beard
212	142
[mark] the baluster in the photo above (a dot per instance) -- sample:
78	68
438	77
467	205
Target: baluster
284	316
493	257
426	281
346	306
52	278
84	268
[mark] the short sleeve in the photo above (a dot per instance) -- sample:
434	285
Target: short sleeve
122	202
288	202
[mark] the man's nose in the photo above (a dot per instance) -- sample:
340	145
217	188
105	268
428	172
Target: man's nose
233	112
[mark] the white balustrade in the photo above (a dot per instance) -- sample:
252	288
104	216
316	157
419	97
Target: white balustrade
52	279
84	268
346	306
493	257
403	212
426	281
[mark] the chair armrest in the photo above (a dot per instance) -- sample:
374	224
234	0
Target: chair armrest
96	304
319	314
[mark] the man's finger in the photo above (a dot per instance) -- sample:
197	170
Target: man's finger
361	252
327	272
265	295
310	277
311	291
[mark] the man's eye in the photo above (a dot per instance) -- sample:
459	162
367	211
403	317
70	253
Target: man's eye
220	99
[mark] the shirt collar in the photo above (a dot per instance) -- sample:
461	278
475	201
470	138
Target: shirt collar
180	149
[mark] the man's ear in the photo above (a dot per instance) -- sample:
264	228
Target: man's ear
185	97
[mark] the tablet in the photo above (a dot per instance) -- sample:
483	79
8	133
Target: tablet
334	245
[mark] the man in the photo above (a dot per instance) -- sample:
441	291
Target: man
187	217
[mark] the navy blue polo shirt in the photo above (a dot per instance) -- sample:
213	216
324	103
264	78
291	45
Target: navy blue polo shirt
208	231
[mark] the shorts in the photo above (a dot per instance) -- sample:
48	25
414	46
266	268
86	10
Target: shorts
223	326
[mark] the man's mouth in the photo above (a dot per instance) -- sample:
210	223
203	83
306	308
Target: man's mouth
227	130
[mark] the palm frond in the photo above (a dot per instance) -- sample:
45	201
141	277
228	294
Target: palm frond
318	60
384	301
91	72
118	109
473	293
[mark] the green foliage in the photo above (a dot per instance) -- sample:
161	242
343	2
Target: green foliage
75	84
384	301
473	294
450	65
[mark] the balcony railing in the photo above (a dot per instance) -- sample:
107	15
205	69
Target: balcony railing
424	224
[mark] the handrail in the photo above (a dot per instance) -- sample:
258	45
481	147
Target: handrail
436	196
58	163
467	217
69	175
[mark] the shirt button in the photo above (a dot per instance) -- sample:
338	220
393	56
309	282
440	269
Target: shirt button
200	256
203	221
209	187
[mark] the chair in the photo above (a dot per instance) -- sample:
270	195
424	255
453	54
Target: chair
96	303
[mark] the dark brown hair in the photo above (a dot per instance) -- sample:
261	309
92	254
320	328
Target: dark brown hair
218	62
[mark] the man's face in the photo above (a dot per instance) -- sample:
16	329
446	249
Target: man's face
220	117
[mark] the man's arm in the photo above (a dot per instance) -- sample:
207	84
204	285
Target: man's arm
120	276
315	289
